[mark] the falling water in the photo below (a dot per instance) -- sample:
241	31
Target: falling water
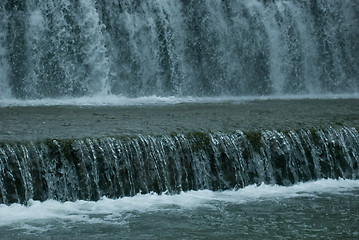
88	169
63	48
294	183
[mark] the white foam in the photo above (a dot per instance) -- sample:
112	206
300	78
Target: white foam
111	210
36	19
114	100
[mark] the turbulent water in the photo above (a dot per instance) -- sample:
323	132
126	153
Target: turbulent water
324	209
89	169
268	184
63	48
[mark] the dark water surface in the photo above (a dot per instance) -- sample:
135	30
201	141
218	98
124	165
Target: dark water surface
40	122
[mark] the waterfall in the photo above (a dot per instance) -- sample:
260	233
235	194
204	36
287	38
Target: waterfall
63	48
115	167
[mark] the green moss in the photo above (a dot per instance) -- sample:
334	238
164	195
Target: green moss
246	153
339	123
201	140
254	139
313	133
173	134
285	132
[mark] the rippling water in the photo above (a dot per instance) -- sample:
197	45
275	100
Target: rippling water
324	209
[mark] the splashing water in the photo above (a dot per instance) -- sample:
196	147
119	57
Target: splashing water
61	49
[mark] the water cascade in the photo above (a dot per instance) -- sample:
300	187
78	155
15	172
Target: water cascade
115	167
63	48
184	119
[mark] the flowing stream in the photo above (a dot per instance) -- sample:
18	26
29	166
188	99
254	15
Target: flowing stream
266	184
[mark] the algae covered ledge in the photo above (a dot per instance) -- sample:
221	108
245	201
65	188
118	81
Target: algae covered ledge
89	168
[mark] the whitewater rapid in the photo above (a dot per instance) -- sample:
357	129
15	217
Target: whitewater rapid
110	211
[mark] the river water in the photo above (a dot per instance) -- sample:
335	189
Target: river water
323	209
120	52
